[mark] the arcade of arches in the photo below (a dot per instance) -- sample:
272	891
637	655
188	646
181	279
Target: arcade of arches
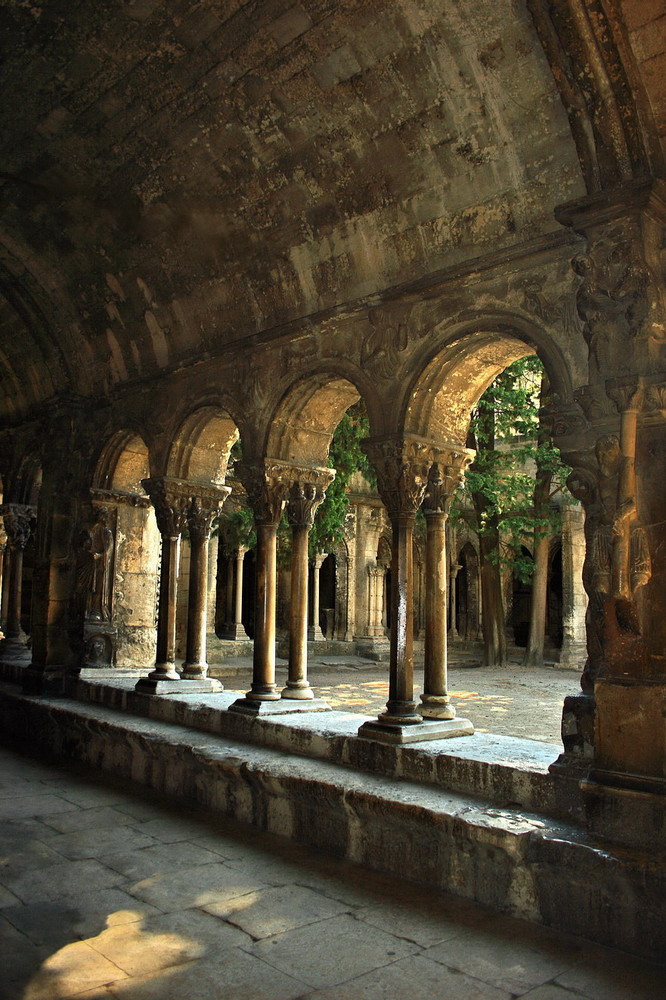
228	222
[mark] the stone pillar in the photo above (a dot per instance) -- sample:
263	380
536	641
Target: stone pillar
376	576
18	520
613	732
444	478
305	495
315	633
402	471
201	512
267	493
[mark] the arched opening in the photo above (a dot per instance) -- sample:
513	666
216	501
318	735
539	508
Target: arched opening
466	600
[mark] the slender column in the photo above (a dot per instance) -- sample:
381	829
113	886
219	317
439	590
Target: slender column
200	514
402	471
304	499
171	499
18	525
267	495
443	480
238	602
315	633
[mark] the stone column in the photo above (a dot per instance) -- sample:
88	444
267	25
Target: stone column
18	520
267	493
402	471
315	633
376	575
574	598
444	478
4	593
203	508
305	495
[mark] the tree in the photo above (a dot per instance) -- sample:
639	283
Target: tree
503	500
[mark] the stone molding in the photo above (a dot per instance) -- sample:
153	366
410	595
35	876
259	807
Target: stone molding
119	497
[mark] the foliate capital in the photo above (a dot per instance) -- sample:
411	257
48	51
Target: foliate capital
402	466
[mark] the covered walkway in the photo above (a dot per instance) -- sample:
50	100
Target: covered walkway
109	892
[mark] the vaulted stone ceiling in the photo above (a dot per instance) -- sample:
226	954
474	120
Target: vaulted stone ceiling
177	175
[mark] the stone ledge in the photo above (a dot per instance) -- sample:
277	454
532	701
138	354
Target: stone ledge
516	861
501	768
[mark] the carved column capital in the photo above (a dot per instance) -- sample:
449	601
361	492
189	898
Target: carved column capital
18	520
306	491
445	476
266	491
203	509
171	499
627	393
402	466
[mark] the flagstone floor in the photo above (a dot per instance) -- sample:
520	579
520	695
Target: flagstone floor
106	891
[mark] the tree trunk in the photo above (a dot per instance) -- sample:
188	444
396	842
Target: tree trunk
537	633
494	636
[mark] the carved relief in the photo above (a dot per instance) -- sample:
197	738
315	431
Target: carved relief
18	521
303	500
266	491
383	344
614	300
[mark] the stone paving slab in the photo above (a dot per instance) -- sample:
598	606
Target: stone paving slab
308	927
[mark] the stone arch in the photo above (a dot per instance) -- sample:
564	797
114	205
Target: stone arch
201	446
122	463
471	354
308	413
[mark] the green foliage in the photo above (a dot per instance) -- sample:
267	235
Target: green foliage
237	529
347	457
498	496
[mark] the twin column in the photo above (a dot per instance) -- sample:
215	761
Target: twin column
179	505
410	472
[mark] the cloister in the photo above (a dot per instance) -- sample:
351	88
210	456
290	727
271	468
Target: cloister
231	222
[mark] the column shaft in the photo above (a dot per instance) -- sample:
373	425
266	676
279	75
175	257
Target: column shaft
195	665
435	700
264	687
401	706
165	668
297	684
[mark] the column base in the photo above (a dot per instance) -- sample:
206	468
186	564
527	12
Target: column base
441	729
627	809
315	634
194	671
156	685
45	682
281	706
15	650
435	706
233	632
299	691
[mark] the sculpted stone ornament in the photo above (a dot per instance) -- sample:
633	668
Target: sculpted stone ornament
445	476
266	490
203	509
96	566
171	499
402	467
18	521
384	343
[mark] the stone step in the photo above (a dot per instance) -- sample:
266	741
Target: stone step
509	858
